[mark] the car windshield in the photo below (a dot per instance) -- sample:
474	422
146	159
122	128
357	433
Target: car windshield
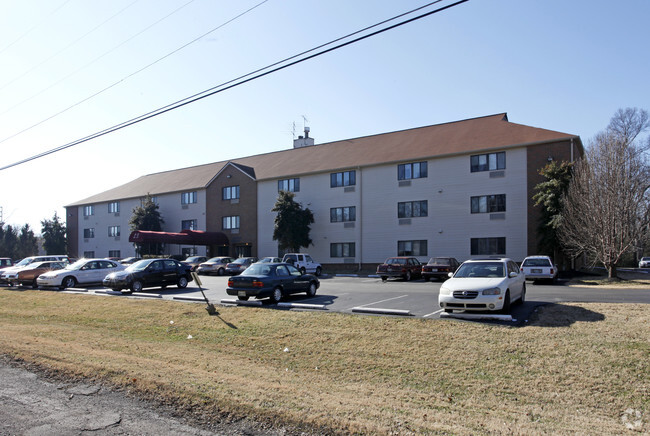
77	265
139	265
242	260
25	261
257	269
396	261
440	261
536	262
645	259
193	259
480	270
215	260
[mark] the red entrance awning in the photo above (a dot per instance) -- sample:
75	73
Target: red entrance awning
185	237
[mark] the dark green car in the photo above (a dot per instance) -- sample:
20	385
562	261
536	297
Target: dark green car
271	280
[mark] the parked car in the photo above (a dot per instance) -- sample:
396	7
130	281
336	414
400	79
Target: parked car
401	266
269	260
29	260
539	268
439	268
273	280
215	265
644	262
28	274
303	262
129	260
150	273
195	261
5	262
83	272
238	266
483	285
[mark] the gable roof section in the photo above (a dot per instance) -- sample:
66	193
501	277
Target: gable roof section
474	135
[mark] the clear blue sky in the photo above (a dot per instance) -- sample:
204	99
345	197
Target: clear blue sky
556	64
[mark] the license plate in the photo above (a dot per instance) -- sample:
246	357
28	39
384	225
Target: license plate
241	293
434	269
536	270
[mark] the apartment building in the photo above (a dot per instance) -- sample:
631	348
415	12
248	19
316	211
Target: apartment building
461	189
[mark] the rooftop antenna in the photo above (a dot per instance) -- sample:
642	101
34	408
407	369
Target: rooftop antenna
293	130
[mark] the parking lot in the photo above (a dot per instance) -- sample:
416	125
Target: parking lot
396	297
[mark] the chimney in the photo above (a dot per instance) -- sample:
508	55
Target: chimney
303	141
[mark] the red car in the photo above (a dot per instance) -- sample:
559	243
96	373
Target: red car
439	268
406	267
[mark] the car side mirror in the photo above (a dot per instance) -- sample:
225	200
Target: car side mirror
450	275
513	274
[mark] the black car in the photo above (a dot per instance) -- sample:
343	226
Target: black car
273	280
150	273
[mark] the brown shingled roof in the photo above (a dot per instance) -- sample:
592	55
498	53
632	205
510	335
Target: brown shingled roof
460	137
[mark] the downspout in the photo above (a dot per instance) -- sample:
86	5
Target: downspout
571	149
360	220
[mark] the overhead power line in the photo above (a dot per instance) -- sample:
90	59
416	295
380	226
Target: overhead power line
278	66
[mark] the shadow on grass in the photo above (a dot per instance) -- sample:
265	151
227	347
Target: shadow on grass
560	315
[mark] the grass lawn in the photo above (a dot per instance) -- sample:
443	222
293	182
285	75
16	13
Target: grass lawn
574	368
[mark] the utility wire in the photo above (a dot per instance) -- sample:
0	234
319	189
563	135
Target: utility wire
132	74
86	66
69	45
220	88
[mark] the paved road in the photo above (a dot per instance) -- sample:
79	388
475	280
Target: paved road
369	295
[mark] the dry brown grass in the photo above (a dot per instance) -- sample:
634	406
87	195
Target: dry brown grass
572	369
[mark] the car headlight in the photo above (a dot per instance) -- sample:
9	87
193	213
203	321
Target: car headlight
445	291
492	291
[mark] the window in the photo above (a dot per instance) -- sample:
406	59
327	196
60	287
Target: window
342	249
188	251
488	203
412	248
230	222
346	178
488	246
189	225
113	231
114	207
415	170
114	253
488	162
188	197
89	254
89	233
343	214
89	210
289	185
410	209
230	192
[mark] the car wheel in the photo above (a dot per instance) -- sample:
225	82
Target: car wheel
303	270
318	271
34	284
312	289
276	296
407	276
220	272
136	286
522	299
182	282
242	298
506	303
68	282
384	278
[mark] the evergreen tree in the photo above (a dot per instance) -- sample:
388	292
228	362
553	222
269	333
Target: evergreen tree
27	243
54	236
147	217
291	223
549	196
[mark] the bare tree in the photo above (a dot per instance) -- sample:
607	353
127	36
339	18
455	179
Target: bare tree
606	208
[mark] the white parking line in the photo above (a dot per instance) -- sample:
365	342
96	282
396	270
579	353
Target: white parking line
432	313
377	302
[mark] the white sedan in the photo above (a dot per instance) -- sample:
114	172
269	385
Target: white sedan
84	271
484	285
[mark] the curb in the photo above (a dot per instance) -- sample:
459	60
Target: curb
383	311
